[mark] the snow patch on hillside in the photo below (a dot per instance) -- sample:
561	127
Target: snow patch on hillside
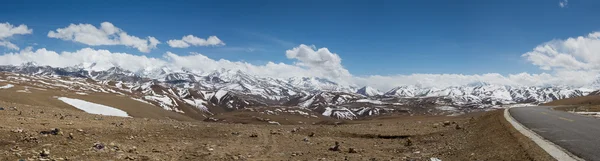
7	86
446	108
378	102
94	108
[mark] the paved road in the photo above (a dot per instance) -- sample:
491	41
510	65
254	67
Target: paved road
578	134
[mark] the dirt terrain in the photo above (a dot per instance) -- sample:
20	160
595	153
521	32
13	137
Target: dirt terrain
27	133
589	103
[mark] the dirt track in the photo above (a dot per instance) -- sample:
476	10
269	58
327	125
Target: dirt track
483	138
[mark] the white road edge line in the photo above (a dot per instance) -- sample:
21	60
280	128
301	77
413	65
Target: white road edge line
554	150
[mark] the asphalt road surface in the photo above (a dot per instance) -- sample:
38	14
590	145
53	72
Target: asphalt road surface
578	134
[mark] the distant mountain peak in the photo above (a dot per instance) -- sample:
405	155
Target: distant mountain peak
368	91
30	64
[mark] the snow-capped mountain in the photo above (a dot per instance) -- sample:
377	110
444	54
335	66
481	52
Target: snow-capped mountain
368	91
180	90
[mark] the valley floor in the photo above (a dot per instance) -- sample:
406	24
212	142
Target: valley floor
82	136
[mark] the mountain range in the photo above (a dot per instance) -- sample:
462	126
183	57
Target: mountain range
228	90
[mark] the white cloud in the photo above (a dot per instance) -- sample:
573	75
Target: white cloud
571	62
191	40
563	3
9	45
321	61
107	34
580	53
7	30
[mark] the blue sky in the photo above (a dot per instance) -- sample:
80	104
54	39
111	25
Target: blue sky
371	37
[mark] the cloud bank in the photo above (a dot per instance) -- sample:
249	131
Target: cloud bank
191	40
568	62
106	34
7	30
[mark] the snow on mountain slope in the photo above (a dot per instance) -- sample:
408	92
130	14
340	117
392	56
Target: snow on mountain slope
7	86
94	108
368	91
226	90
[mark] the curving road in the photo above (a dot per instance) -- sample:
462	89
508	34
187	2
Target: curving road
578	134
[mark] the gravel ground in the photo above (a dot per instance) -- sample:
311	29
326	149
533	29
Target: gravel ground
27	133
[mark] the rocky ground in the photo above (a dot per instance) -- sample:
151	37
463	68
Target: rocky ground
48	133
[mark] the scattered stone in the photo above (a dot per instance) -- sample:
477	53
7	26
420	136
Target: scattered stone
130	158
352	150
98	146
235	133
132	150
210	119
45	153
297	154
305	139
446	123
18	130
273	132
254	135
294	130
434	159
380	125
457	127
274	122
1	108
435	125
55	131
79	130
312	134
408	142
15	149
336	147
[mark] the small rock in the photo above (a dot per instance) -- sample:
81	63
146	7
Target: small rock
336	147
15	149
18	130
311	134
273	132
305	139
45	153
294	130
408	142
130	158
71	136
254	135
55	131
457	127
98	146
132	150
435	125
235	133
1	108
79	130
446	123
352	150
